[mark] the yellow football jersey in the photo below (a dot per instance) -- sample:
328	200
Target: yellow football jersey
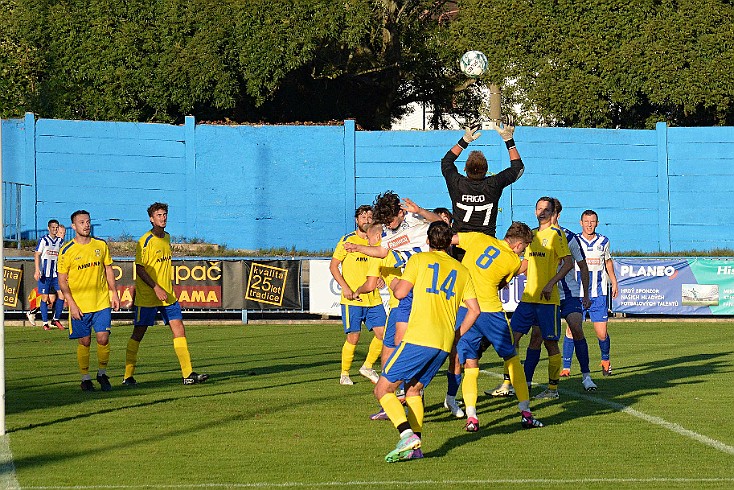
154	254
391	267
489	261
440	286
355	268
543	254
85	268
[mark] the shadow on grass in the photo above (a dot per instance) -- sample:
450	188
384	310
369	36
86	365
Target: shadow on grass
626	387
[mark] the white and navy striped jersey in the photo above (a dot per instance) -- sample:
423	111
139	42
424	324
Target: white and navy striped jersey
597	254
49	248
409	238
570	285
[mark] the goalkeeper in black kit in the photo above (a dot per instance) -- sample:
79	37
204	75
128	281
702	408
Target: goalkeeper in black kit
475	197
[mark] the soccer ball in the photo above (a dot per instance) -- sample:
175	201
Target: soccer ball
473	63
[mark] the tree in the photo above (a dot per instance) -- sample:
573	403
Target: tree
243	60
608	63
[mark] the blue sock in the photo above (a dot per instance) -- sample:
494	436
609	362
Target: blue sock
604	347
454	382
582	354
58	309
567	352
532	358
44	312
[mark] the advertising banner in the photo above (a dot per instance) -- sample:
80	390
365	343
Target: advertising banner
325	292
677	286
12	283
273	284
197	284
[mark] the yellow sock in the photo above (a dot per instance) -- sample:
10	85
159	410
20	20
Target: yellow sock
554	370
374	353
347	356
103	356
184	358
82	358
469	386
131	357
394	409
415	412
517	377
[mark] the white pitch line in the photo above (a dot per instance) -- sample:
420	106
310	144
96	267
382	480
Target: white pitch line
7	468
678	429
438	483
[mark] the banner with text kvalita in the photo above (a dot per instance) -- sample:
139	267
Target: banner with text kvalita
272	284
676	286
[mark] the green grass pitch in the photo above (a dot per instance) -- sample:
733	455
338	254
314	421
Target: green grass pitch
274	415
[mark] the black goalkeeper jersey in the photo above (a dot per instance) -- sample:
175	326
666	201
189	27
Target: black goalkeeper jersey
475	202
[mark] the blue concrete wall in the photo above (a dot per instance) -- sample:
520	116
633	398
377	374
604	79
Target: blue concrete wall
257	187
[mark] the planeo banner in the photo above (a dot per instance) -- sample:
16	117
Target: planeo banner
676	286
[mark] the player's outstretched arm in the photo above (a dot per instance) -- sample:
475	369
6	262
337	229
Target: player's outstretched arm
377	251
506	131
412	207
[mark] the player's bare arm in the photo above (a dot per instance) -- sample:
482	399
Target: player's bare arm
37	261
472	305
566	265
609	264
114	297
369	285
74	310
160	293
337	275
368	250
402	288
412	207
584	271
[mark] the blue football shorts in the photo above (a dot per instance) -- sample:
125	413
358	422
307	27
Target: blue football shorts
145	315
570	304
388	338
545	316
48	285
99	321
410	361
598	311
490	325
354	316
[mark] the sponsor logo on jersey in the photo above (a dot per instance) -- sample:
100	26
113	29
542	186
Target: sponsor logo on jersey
471	198
397	242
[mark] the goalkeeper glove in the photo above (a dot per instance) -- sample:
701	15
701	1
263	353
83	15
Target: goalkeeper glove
506	130
470	134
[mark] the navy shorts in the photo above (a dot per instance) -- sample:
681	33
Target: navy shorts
598	311
99	321
48	285
145	315
492	326
354	316
410	361
545	316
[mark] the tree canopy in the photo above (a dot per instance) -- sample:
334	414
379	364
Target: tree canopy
609	63
594	63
